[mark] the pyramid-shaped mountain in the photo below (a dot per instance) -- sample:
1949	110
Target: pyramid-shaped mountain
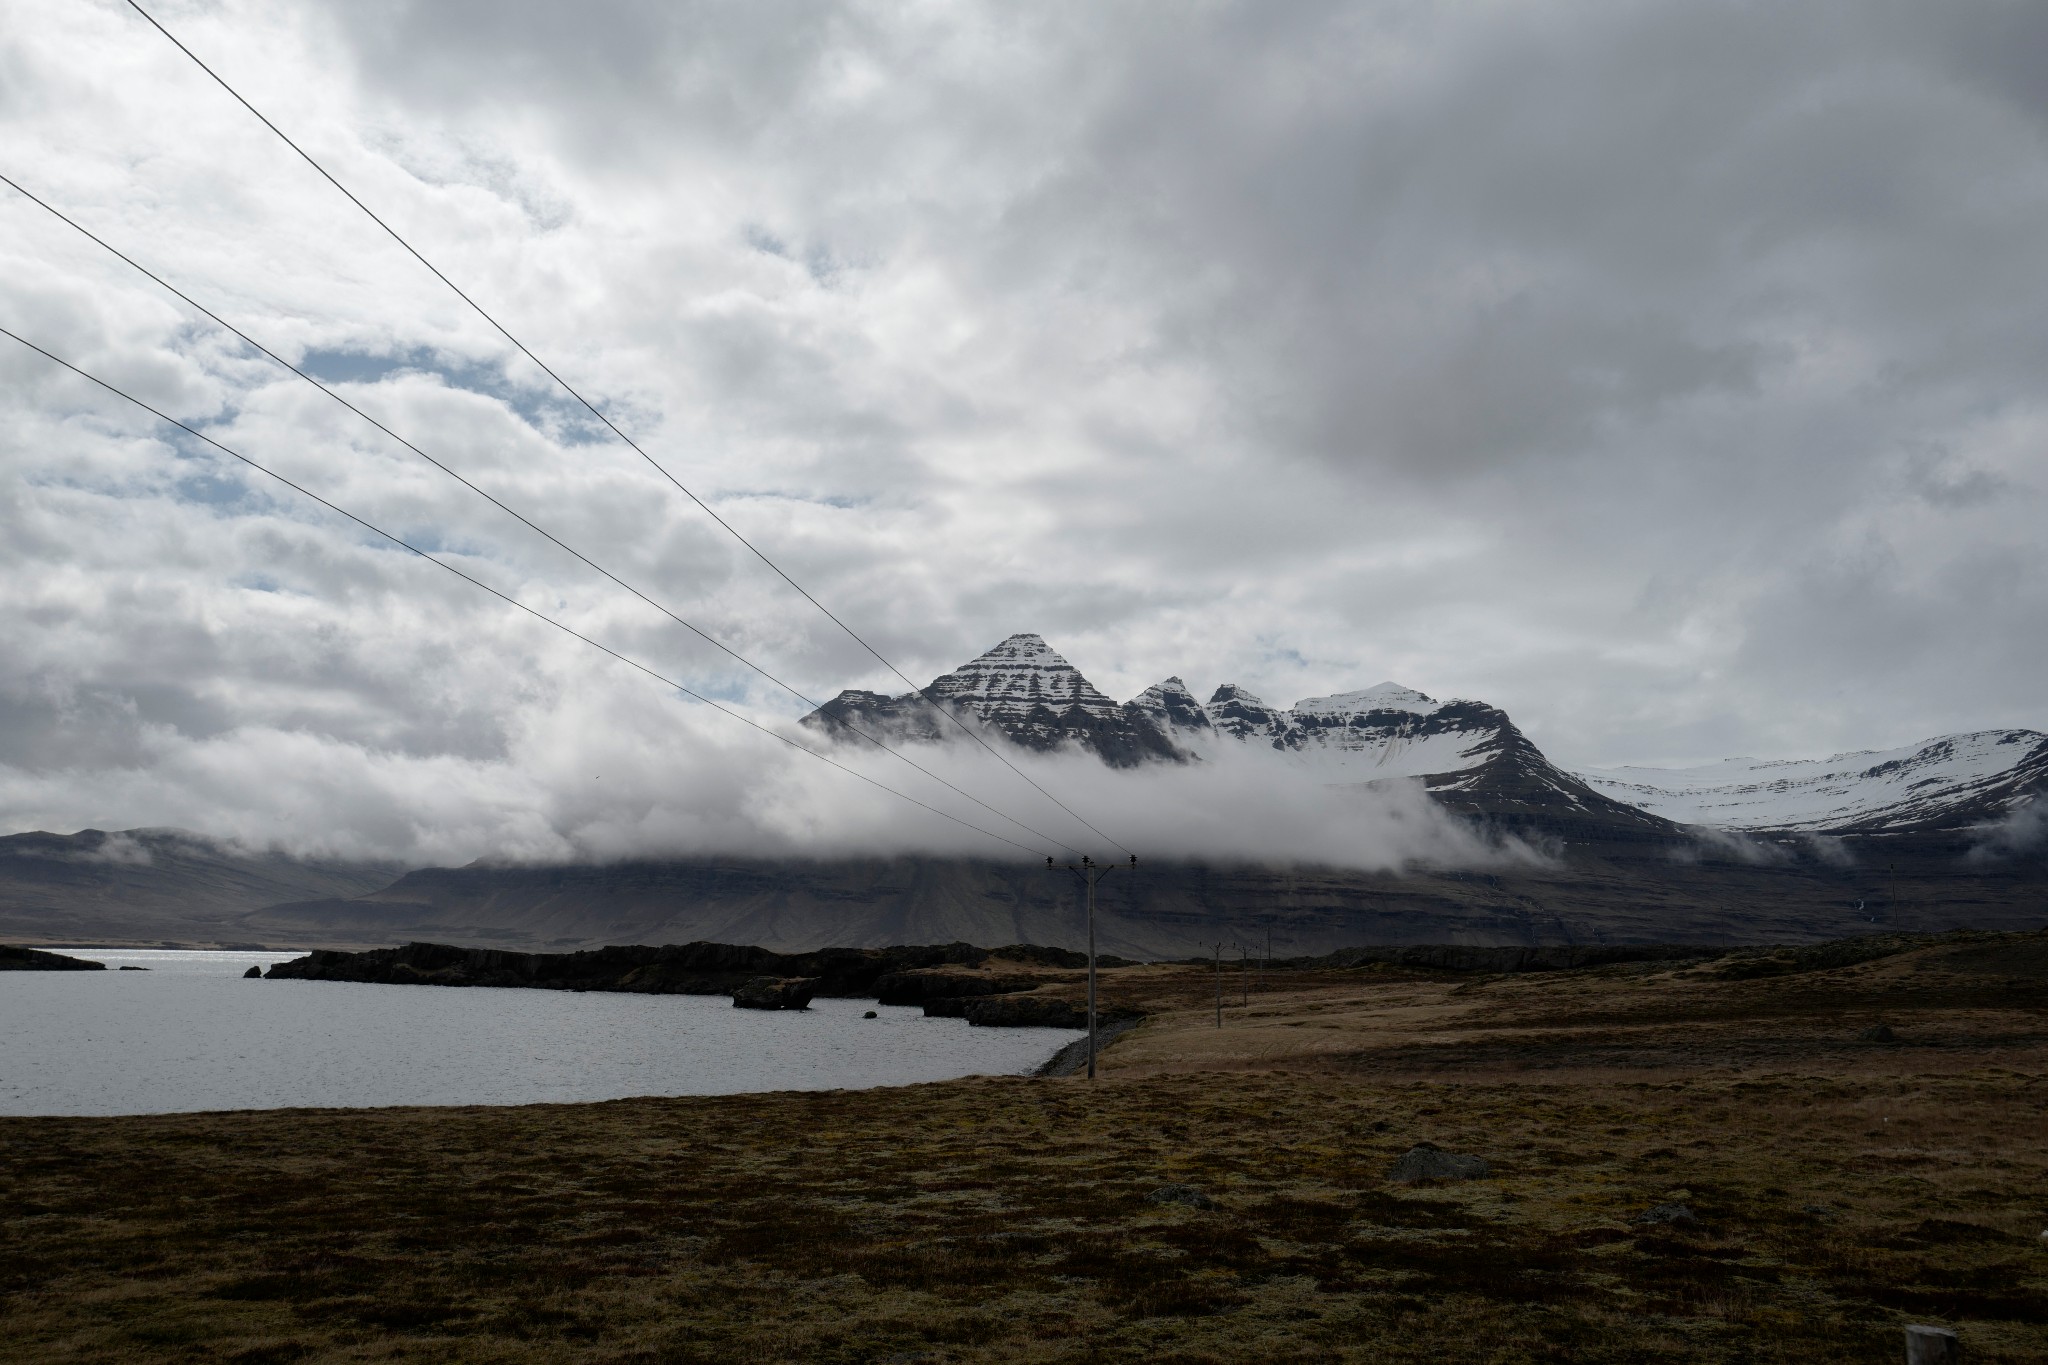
1023	691
1467	754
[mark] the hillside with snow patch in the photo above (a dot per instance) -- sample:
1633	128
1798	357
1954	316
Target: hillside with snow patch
1956	779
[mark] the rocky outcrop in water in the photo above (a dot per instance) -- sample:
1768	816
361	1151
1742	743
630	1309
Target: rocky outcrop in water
36	960
775	993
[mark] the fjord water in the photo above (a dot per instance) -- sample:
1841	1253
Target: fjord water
191	1034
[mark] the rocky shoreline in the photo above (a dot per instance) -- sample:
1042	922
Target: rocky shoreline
36	960
987	987
1021	986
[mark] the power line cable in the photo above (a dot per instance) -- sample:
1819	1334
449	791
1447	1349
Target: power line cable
502	596
922	692
495	502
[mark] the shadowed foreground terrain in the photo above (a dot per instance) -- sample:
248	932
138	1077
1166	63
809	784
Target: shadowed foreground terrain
1859	1146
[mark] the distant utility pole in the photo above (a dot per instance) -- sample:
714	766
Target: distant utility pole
1091	872
1219	983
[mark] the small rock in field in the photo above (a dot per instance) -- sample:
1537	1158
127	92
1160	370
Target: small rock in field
1668	1213
1879	1033
1426	1161
871	1015
1931	1346
1180	1194
254	973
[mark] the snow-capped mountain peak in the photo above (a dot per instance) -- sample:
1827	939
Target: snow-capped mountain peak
1386	696
1172	707
1024	691
1235	712
1361	736
1017	677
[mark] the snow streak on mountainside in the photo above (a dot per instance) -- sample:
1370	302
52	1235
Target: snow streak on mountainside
1381	732
1945	782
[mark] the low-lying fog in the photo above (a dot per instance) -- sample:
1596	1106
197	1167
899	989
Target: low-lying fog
650	777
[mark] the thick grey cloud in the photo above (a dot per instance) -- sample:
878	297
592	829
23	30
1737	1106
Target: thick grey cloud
1666	374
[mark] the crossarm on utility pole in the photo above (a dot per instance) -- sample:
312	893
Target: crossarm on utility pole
1090	872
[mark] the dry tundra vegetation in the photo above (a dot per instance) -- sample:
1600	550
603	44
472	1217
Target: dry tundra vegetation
1842	1184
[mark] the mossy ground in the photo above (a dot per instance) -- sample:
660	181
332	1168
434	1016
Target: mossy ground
1842	1190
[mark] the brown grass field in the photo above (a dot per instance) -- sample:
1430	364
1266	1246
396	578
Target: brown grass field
1843	1188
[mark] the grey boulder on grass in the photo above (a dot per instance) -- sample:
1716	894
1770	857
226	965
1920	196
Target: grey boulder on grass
1675	1214
1427	1161
1186	1195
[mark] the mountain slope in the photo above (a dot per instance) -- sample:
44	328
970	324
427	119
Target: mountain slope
151	884
1954	781
1718	890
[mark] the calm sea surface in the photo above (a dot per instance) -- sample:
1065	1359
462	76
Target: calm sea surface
191	1034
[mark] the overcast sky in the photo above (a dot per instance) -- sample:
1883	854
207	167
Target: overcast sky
1673	376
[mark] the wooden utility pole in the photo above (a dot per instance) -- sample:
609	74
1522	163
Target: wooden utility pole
1219	983
1091	872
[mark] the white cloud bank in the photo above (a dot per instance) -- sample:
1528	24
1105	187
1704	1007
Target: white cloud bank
661	777
1658	374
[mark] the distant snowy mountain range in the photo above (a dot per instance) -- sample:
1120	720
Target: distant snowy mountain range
1937	783
1468	754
